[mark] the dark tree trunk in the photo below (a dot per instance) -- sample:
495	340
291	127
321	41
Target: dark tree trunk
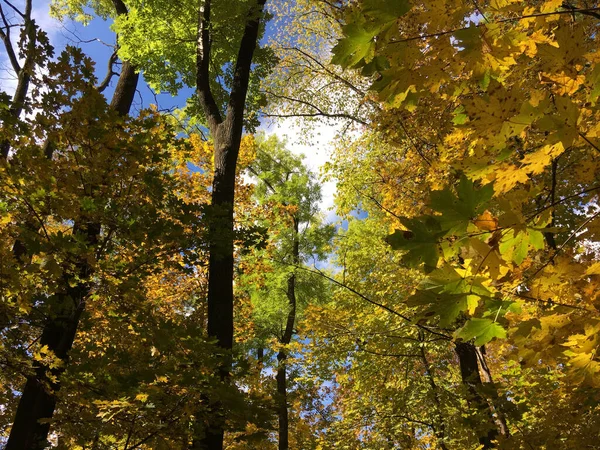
494	400
227	134
38	400
23	73
469	371
286	338
282	407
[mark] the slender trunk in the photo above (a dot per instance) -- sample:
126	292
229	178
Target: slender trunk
282	406
440	428
23	75
494	400
549	235
469	371
282	403
38	400
220	280
227	134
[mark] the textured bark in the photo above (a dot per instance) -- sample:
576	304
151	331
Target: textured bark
469	371
38	400
227	134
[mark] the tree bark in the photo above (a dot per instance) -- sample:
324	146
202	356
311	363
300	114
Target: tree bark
38	401
500	418
227	135
469	371
286	338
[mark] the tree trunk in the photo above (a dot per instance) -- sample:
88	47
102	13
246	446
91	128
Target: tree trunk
282	403
282	406
490	387
227	134
469	371
38	400
39	396
23	73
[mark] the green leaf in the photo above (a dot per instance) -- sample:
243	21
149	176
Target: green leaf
482	330
459	209
420	241
386	10
446	306
515	244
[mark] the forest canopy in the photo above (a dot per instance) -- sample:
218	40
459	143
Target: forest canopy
171	279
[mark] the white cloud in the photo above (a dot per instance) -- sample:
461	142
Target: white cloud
316	146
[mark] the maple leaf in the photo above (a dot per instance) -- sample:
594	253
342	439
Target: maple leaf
482	330
420	240
457	211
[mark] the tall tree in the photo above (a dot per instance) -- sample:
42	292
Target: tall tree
38	399
226	131
281	293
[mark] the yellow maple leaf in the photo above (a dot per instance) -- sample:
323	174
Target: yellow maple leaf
536	162
507	176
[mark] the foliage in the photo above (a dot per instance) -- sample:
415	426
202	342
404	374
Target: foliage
469	221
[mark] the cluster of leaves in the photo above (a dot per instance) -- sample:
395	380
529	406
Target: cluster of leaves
485	163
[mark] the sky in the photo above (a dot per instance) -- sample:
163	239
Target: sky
97	40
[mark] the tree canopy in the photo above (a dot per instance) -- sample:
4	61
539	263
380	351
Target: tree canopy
168	279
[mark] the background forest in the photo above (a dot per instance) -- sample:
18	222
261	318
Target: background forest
169	280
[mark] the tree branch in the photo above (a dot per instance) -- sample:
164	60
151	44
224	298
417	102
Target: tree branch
241	75
211	110
10	51
109	74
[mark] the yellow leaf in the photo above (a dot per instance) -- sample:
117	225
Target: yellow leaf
594	269
536	163
507	177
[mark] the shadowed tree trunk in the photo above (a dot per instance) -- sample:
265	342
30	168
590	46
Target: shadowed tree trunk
469	371
38	401
494	400
281	377
226	132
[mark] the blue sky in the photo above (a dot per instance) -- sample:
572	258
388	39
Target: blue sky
97	41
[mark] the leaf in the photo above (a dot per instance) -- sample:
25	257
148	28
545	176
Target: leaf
386	10
482	330
486	221
515	244
420	241
457	211
446	306
357	46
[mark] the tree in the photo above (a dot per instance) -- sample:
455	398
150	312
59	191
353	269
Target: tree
204	60
38	401
462	103
281	290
